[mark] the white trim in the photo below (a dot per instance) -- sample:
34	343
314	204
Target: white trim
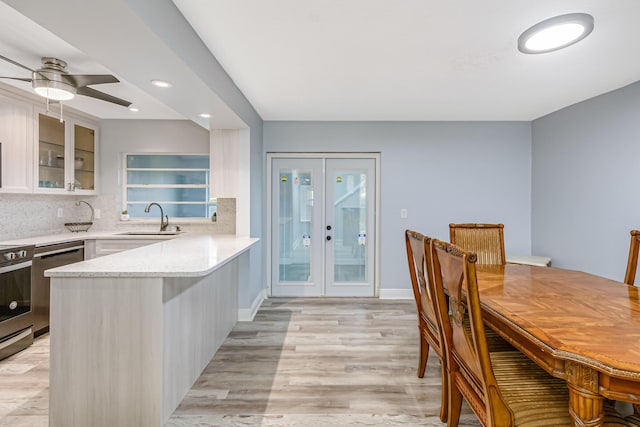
396	294
247	314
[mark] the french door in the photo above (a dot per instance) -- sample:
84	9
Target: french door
323	226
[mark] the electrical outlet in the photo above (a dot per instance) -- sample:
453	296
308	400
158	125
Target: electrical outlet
96	213
403	213
59	212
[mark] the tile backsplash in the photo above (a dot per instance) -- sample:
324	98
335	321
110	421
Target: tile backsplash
27	215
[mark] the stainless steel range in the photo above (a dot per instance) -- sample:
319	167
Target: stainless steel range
16	316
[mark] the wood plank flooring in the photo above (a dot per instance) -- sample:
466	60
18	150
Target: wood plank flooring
301	362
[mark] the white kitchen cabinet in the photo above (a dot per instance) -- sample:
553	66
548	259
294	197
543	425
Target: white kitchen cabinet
67	155
16	146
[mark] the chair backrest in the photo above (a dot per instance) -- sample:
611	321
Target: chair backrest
486	240
421	272
463	331
632	261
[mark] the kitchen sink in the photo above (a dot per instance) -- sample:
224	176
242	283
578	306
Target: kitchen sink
150	233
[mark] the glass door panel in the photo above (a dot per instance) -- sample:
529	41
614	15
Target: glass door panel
51	151
350	224
296	236
84	158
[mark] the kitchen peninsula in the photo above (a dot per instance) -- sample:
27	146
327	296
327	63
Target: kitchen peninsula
132	331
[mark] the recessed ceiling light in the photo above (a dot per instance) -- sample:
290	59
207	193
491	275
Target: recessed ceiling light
205	115
160	83
556	33
134	109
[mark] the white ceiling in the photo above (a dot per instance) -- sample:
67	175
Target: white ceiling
338	60
412	59
23	41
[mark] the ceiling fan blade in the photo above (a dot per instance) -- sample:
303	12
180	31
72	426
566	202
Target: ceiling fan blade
81	80
16	63
17	78
87	91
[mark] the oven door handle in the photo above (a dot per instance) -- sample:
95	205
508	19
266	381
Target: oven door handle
15	267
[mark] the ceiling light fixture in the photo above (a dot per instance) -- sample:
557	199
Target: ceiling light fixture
205	115
160	83
134	109
53	89
556	33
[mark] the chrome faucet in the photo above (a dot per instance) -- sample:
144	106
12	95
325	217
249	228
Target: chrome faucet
163	224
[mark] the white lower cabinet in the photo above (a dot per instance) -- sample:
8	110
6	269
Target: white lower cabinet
101	247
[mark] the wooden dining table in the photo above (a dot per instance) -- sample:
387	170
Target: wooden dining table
577	326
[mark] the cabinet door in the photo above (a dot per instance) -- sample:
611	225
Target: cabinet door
16	147
84	158
66	155
52	148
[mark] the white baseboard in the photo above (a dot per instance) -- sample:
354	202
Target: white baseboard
396	293
247	314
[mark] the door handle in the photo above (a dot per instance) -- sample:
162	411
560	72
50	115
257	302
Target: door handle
328	228
328	237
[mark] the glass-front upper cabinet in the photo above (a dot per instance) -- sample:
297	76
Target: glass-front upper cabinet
66	155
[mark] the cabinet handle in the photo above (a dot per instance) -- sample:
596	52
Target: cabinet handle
58	251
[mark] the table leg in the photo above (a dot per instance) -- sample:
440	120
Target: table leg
585	403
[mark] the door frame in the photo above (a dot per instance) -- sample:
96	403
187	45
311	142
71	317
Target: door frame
376	156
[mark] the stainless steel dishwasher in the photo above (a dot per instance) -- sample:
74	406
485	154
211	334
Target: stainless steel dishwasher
44	258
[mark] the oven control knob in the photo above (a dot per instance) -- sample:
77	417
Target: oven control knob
21	254
10	256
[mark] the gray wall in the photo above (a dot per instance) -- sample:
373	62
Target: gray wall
143	136
585	178
439	172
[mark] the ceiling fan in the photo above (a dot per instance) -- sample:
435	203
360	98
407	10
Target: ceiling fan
54	82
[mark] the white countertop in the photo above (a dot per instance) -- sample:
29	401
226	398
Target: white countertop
189	255
52	239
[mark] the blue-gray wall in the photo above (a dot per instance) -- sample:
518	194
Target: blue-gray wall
585	181
440	172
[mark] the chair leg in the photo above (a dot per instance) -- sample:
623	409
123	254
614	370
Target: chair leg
455	404
424	356
444	404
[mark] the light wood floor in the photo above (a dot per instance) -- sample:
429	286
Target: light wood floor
301	362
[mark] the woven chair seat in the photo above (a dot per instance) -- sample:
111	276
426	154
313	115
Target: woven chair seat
631	421
536	398
612	417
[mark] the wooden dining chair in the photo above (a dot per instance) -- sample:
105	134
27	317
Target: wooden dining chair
630	279
486	240
632	261
503	388
421	272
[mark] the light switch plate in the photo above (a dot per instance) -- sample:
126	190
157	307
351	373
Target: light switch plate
403	213
59	212
96	213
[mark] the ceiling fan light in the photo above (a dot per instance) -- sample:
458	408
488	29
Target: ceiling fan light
555	33
54	94
56	90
